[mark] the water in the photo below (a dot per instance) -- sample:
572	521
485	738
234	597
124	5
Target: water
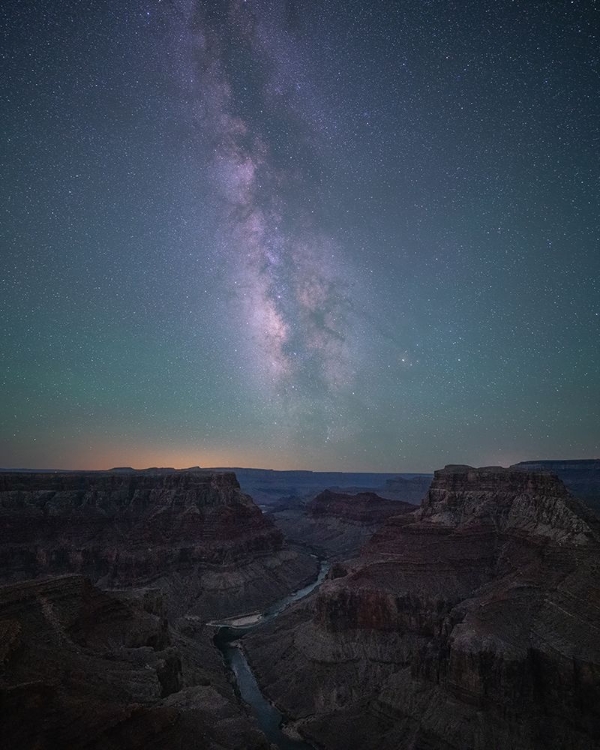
268	717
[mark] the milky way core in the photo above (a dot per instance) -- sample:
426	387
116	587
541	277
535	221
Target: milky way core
328	235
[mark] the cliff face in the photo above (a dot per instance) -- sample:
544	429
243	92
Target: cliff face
470	623
80	668
363	508
126	526
338	524
580	477
133	665
194	534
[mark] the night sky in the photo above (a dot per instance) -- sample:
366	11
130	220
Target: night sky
320	234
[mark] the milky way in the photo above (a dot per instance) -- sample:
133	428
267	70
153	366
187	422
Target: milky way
326	234
292	306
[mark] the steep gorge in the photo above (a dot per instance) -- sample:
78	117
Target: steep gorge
82	668
471	623
130	662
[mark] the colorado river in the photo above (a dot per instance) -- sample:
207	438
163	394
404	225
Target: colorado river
268	717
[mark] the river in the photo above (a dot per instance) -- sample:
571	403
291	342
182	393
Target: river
227	641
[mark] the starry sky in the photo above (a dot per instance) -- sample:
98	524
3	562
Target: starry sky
320	234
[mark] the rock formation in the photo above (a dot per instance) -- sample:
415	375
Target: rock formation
132	665
274	490
193	534
337	524
580	477
362	508
80	668
471	623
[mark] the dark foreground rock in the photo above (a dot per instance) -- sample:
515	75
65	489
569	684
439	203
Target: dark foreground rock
130	662
80	668
472	623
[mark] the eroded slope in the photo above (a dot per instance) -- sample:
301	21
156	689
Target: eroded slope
473	622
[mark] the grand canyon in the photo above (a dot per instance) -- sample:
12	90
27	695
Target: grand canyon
320	281
469	619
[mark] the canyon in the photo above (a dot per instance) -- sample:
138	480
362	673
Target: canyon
111	579
82	668
466	622
193	534
472	622
336	524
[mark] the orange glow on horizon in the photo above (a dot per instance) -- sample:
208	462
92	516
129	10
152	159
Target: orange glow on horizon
143	457
103	454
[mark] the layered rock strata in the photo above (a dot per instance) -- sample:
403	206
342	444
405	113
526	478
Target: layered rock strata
365	508
472	623
276	491
337	524
580	477
132	665
80	668
193	534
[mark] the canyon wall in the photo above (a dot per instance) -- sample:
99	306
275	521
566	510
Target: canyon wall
193	534
468	624
580	476
82	668
130	662
337	524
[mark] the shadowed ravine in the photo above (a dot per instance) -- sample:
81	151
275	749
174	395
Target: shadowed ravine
227	641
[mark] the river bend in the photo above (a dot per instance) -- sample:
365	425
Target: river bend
227	641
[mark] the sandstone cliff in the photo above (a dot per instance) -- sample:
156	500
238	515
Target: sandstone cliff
471	623
193	534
